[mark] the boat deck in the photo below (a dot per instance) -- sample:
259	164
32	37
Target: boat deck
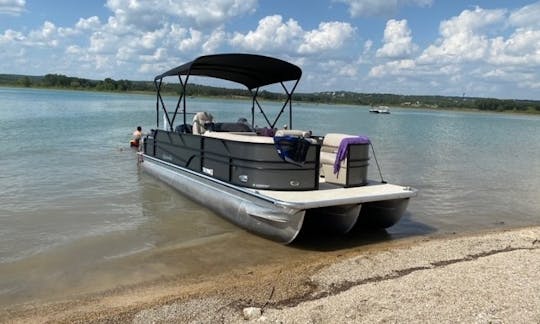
330	195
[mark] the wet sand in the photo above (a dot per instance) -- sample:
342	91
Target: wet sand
484	277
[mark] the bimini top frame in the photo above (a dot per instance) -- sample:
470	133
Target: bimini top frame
252	71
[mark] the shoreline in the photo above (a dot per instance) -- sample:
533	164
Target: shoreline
301	102
482	277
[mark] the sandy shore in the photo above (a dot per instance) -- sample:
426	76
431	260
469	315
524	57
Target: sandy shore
481	278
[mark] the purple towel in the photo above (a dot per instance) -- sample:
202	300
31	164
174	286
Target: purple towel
344	148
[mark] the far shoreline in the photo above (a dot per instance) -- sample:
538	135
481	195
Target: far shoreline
297	101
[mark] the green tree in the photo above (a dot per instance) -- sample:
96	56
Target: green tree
25	82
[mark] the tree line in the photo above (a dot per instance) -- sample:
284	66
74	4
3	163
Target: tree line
61	81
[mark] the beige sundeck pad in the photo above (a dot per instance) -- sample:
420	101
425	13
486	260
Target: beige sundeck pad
338	196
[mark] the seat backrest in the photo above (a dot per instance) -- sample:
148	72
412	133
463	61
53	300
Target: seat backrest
293	132
334	139
200	120
241	137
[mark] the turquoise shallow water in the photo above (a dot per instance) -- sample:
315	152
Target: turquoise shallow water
75	208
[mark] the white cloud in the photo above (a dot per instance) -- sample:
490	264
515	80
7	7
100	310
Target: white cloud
98	43
527	16
329	36
118	27
397	40
46	36
74	50
272	34
214	41
521	48
12	52
11	36
386	8
477	52
12	7
92	23
398	67
367	46
472	21
140	33
158	55
196	13
339	68
192	42
151	39
463	38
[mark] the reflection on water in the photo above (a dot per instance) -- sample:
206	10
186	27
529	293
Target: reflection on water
78	216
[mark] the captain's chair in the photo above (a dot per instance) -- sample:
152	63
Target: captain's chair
200	122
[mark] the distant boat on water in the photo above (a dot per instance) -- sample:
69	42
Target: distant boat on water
380	110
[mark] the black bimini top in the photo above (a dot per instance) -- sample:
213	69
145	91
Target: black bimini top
251	70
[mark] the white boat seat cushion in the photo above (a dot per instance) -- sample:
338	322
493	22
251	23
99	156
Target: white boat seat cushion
200	120
292	132
240	137
332	141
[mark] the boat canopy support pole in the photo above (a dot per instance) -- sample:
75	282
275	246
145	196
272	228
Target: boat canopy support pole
181	99
289	99
288	102
161	104
158	98
158	101
255	101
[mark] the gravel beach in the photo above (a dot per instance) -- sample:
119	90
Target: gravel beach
479	278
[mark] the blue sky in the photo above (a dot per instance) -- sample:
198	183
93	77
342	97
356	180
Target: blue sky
488	48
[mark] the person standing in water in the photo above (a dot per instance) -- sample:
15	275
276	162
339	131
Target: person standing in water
136	139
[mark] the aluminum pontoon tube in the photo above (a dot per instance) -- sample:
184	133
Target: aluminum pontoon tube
382	214
264	218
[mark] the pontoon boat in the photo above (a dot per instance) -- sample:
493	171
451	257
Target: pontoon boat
266	180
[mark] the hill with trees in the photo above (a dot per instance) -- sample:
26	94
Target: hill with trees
59	81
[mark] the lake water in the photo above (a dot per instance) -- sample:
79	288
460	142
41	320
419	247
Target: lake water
76	214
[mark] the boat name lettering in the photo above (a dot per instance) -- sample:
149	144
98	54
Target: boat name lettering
167	157
261	185
243	178
294	183
208	171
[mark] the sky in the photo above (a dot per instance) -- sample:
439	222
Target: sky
484	48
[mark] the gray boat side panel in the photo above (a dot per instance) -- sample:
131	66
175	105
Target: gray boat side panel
276	179
177	148
245	164
274	222
258	165
357	165
359	152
